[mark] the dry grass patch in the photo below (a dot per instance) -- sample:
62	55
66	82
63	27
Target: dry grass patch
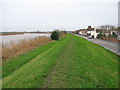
14	49
10	33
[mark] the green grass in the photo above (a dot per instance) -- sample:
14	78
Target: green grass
71	62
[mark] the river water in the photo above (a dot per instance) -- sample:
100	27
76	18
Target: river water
16	38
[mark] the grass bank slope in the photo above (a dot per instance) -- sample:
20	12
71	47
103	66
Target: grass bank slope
71	62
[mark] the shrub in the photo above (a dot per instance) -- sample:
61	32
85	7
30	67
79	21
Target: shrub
99	35
55	35
109	35
114	35
77	32
104	35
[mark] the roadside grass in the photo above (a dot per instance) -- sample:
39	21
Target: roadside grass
71	62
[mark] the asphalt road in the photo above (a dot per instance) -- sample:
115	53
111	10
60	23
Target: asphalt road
112	46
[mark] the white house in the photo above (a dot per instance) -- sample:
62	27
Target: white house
80	32
90	32
93	33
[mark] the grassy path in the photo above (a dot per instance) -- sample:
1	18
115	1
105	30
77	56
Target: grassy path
71	62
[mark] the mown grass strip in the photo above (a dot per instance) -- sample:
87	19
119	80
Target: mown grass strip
83	64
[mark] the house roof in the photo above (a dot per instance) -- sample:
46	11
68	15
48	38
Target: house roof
82	30
90	29
105	31
113	30
99	30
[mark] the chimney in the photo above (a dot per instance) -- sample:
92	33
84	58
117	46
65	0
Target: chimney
89	27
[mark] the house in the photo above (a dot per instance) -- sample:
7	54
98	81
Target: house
113	31
90	31
94	32
107	32
83	32
104	32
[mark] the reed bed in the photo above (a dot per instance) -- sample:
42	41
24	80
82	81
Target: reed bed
14	49
10	33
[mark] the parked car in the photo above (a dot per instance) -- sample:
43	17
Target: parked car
90	37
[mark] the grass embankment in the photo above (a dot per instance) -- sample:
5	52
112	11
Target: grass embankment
11	50
71	62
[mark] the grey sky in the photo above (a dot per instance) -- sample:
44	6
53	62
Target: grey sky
27	15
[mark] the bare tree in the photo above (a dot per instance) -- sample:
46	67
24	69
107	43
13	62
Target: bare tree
107	27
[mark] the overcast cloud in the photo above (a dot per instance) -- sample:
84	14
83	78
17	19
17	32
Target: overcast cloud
27	15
